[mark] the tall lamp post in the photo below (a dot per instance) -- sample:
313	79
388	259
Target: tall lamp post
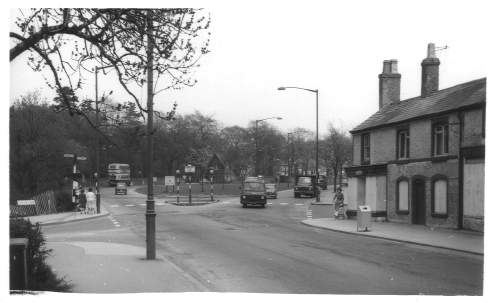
256	142
316	91
98	145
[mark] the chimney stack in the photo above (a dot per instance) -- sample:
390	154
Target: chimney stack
430	72
389	83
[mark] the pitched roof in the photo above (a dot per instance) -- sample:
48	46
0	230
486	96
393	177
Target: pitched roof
452	98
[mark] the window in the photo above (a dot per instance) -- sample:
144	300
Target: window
403	147
402	196
439	197
440	139
365	149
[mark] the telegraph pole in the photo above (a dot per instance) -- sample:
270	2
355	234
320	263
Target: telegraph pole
150	203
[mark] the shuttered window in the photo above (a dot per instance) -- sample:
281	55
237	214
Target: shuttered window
402	188
440	193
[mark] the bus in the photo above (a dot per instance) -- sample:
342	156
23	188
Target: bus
118	172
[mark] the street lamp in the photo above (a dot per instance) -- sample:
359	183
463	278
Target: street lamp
317	93
98	145
256	142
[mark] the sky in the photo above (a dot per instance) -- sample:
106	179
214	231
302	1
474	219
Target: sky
337	49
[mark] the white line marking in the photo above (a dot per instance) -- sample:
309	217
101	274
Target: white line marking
299	203
115	205
142	204
282	203
129	205
270	203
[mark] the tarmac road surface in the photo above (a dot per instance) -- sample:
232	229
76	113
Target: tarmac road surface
223	247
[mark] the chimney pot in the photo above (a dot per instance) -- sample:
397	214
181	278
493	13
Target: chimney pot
431	50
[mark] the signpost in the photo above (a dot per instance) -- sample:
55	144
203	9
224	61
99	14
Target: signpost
169	181
75	183
211	184
178	174
189	170
25	202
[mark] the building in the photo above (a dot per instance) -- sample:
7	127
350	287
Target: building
421	160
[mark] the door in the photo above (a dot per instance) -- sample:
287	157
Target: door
418	202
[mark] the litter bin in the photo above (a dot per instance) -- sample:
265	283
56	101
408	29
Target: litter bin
364	218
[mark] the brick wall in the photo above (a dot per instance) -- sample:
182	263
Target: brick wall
473	128
426	169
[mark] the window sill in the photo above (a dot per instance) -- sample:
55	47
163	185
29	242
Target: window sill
434	215
441	158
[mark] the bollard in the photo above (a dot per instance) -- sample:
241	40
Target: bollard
189	190
212	188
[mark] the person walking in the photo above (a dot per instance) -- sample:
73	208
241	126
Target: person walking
91	201
82	200
338	200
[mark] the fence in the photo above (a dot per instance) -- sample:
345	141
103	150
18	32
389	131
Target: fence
45	203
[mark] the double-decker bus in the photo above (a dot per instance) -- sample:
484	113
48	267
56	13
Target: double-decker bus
118	172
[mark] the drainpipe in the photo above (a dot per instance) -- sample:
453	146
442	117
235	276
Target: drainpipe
460	173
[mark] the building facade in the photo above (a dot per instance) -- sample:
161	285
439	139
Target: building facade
421	160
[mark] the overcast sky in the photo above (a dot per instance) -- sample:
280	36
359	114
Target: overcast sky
337	49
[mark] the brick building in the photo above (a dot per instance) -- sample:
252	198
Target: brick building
421	160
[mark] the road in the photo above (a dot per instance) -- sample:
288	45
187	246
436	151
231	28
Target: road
223	247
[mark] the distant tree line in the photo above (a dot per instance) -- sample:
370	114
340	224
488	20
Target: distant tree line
40	136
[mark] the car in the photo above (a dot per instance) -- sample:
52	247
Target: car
253	192
304	186
121	188
271	191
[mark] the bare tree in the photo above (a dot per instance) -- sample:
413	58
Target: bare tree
336	151
72	42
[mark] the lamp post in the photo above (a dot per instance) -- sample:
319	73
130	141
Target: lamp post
316	91
256	142
98	144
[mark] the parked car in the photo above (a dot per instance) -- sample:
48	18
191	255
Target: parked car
271	191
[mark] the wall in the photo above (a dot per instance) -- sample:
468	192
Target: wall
427	169
473	128
473	195
356	146
383	145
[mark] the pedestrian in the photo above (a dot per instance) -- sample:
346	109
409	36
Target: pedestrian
82	200
91	201
338	199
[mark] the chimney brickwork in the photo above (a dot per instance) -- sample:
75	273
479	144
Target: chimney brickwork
430	72
389	83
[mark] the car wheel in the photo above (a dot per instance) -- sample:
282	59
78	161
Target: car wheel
244	205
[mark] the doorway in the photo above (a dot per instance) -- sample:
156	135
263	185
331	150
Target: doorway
418	201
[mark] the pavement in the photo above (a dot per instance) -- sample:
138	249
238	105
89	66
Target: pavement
65	217
458	240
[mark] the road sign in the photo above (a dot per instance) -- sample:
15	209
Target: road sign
25	202
169	180
69	155
81	158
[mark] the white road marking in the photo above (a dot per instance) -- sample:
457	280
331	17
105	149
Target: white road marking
226	202
309	214
299	203
283	203
142	204
270	203
130	205
115	205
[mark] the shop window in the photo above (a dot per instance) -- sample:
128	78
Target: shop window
365	149
402	194
403	141
440	196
